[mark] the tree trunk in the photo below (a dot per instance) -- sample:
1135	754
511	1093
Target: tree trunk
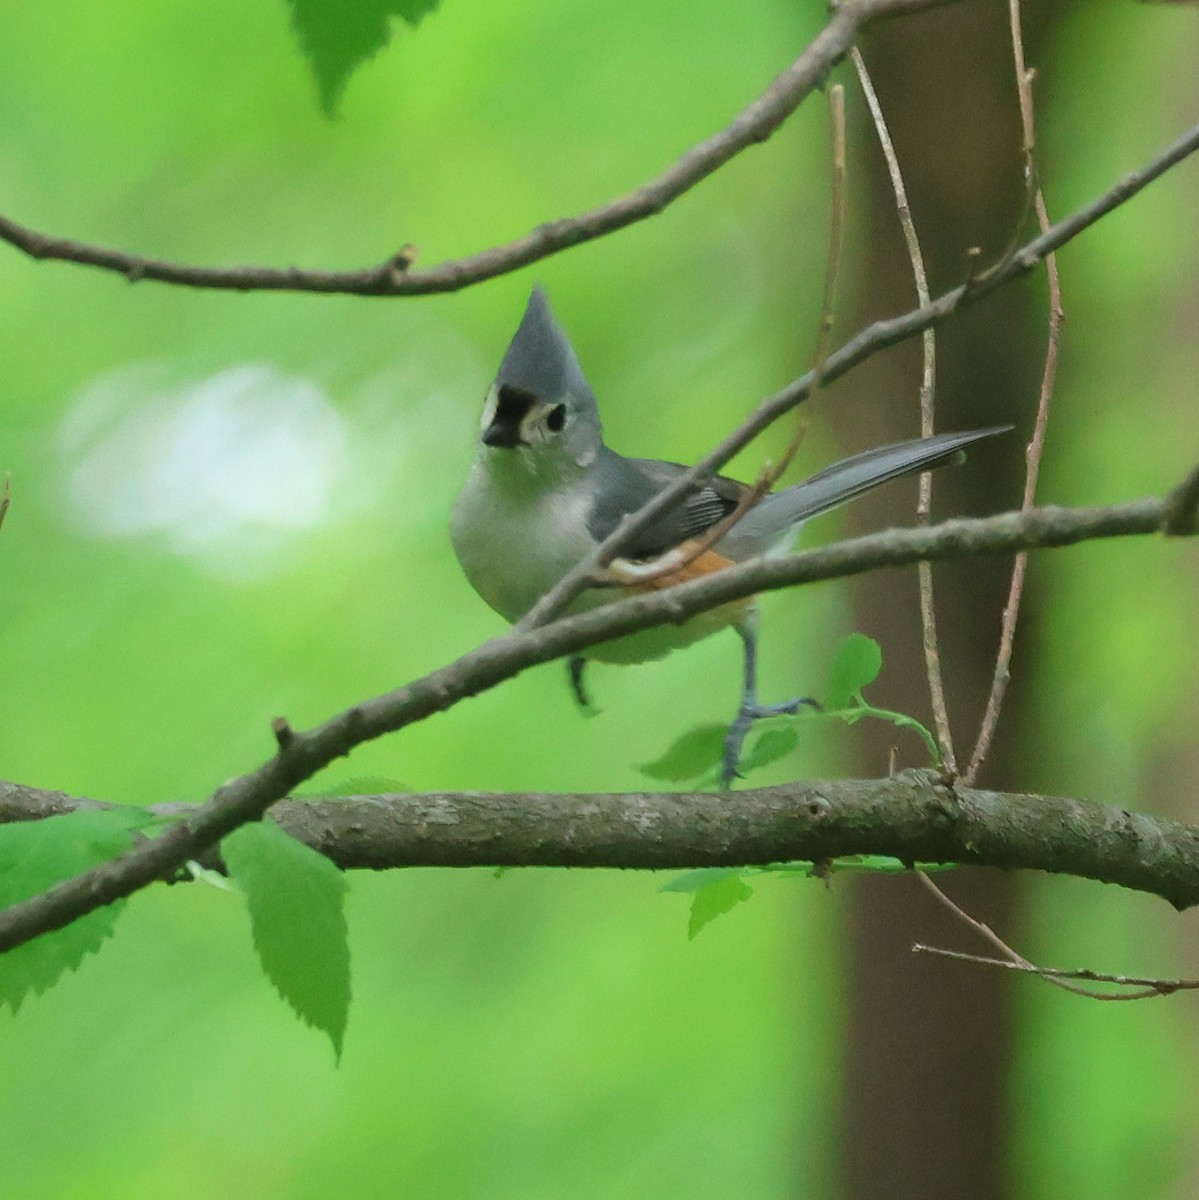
929	1042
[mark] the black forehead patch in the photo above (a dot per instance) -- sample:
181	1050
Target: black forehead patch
512	405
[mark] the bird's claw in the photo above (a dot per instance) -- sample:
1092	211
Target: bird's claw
734	740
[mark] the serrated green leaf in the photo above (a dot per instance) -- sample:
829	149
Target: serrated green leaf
773	743
715	899
296	900
856	664
35	855
338	36
691	755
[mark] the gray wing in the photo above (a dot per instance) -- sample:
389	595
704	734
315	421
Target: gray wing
623	485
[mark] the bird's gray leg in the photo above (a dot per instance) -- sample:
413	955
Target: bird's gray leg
574	667
750	710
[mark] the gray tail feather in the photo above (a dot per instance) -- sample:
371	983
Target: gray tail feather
852	476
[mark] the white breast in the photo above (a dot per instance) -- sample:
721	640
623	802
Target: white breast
514	544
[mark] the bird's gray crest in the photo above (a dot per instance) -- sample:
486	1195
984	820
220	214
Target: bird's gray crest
541	360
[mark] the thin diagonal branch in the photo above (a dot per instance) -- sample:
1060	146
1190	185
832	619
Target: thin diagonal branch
1036	446
870	341
681	557
394	277
1016	959
305	753
1182	507
928	384
1146	985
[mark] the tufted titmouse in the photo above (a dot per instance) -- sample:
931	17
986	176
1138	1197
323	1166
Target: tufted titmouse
544	490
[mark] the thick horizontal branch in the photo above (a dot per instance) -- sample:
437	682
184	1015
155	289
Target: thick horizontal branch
304	754
914	817
394	277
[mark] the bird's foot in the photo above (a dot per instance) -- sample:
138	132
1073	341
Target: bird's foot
574	669
750	712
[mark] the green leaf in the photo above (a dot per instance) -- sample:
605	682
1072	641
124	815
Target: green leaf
35	855
296	900
696	751
338	36
692	881
715	899
856	664
773	743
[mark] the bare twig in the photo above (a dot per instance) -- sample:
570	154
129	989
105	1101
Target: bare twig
1036	447
284	734
248	797
868	342
1182	516
836	236
928	377
395	277
772	473
832	270
1149	986
1015	958
5	496
678	559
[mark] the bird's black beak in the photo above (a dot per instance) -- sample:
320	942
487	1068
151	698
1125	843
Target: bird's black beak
503	433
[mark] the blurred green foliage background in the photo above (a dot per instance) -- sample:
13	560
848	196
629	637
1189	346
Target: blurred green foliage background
229	507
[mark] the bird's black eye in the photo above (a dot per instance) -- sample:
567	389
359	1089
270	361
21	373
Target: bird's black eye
555	419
